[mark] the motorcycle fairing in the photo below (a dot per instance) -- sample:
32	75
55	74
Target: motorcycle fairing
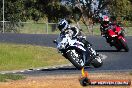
77	44
71	42
111	33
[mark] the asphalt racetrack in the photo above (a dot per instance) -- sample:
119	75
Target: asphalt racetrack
115	61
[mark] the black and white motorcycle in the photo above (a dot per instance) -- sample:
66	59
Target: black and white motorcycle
77	53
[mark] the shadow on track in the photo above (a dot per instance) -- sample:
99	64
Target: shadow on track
109	51
53	71
62	68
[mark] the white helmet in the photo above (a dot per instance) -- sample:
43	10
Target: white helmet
62	25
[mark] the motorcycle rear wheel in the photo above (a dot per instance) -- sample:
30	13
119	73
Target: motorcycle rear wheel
124	45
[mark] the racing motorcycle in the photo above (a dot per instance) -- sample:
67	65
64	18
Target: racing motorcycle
116	37
77	53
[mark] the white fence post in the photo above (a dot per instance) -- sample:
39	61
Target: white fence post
47	27
3	18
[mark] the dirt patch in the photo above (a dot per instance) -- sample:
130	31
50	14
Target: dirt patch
64	81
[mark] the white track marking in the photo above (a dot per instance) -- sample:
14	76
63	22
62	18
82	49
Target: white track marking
103	57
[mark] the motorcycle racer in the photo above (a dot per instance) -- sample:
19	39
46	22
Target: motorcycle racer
74	46
105	26
75	33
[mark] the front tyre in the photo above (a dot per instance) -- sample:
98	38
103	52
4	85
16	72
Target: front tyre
76	59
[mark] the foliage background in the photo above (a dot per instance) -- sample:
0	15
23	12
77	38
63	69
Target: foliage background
53	10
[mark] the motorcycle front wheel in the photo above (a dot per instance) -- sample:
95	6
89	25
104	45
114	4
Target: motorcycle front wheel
97	62
76	59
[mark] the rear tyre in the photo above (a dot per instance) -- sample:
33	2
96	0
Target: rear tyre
117	46
124	45
76	59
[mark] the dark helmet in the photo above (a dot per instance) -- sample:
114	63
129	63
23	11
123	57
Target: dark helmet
62	25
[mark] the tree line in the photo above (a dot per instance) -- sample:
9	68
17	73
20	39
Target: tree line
23	10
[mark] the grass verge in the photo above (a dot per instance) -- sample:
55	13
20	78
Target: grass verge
41	28
9	77
16	57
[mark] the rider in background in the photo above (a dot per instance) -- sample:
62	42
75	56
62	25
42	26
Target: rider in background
107	24
104	25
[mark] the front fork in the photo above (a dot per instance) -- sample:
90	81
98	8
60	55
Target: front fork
91	54
92	51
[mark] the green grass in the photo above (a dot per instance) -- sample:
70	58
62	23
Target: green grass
15	57
9	77
40	28
37	28
33	28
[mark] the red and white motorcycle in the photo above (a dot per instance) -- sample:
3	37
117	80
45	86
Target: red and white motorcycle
117	38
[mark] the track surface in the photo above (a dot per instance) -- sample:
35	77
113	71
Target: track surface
115	61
